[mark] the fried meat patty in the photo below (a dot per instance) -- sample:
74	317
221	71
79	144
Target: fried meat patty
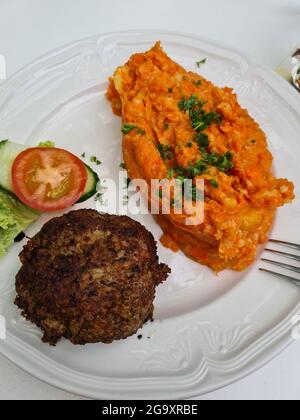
89	277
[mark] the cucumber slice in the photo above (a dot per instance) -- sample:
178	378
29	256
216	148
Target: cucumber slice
8	153
91	185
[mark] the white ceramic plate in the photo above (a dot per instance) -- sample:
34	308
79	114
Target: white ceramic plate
209	331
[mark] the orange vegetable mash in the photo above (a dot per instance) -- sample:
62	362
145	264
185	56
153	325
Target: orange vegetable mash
240	204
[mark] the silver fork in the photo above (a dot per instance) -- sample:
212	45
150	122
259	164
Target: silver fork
287	255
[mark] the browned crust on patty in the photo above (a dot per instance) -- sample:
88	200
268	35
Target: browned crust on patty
89	277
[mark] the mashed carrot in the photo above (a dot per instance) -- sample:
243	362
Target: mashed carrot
240	198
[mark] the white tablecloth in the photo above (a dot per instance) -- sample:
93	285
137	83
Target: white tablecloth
263	30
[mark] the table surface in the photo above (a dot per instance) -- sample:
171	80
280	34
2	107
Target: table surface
263	30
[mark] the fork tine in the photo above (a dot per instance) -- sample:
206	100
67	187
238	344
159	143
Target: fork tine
282	276
285	254
289	244
282	265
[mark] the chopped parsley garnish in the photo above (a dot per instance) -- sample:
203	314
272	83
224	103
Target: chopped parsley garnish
47	143
225	163
83	155
191	191
201	62
170	173
170	90
205	119
202	140
165	151
200	120
99	197
222	162
214	183
166	126
127	128
94	159
122	165
180	178
197	169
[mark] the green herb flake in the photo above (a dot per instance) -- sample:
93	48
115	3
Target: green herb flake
197	83
99	197
202	140
166	126
165	151
225	163
171	173
180	178
214	183
189	144
127	128
95	160
189	105
83	155
199	168
170	90
15	217
200	119
47	144
122	165
201	62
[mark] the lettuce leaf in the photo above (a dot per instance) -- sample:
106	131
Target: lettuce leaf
14	218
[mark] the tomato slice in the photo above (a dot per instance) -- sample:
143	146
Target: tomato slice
48	179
